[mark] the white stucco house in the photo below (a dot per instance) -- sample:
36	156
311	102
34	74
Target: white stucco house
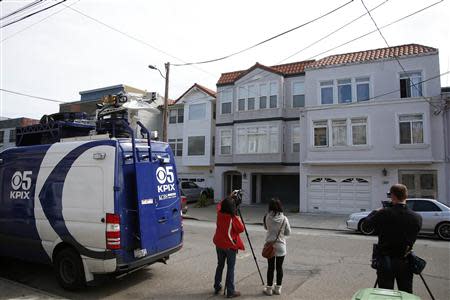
371	119
191	132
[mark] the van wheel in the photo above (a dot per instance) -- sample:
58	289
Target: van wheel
443	231
69	269
365	228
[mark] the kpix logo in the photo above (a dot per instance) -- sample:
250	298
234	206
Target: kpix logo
20	183
166	179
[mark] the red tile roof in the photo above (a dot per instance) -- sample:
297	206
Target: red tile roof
373	55
283	70
200	87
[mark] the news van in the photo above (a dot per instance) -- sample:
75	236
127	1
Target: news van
89	205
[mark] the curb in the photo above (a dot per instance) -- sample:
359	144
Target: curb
24	288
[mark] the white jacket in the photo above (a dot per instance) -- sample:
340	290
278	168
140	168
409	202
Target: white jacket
272	224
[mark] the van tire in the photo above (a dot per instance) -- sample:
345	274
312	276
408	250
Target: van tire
69	269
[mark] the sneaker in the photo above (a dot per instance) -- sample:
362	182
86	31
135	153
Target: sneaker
217	290
234	294
277	290
268	291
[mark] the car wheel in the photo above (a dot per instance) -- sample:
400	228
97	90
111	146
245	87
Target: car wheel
69	269
365	228
443	231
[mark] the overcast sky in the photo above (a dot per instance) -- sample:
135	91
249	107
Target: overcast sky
68	52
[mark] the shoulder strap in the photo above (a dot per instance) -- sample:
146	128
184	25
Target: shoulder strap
281	227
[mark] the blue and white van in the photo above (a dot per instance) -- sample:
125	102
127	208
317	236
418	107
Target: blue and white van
90	205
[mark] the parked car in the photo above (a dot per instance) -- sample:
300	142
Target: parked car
192	191
184	206
435	218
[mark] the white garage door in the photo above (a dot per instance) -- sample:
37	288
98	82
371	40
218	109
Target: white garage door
338	194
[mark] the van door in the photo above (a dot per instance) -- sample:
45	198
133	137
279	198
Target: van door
159	206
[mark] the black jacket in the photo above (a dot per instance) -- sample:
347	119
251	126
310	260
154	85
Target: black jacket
397	227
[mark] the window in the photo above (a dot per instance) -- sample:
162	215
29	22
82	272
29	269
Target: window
362	89
263	96
295	138
253	139
176	115
241	98
177	146
251	97
12	135
344	90
411	129
410	84
320	133
2	135
424	206
196	145
298	94
339	132
359	131
326	92
273	95
225	141
227	99
197	111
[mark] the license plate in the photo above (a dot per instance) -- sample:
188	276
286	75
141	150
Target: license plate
138	253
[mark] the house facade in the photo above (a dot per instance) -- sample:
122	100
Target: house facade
191	134
257	130
372	118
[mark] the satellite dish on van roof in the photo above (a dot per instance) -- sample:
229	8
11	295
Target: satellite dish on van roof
138	105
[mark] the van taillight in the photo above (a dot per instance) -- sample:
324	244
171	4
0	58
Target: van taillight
112	231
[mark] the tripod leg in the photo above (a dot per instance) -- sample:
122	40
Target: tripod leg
376	283
426	285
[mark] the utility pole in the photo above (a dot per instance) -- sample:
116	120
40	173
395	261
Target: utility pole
166	102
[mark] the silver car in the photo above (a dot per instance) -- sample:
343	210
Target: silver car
192	191
435	218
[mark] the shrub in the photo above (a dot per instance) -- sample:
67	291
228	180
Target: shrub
203	201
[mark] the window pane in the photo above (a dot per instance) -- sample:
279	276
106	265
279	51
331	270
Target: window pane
242	92
273	101
226	108
345	93
298	88
327	95
362	92
197	111
417	132
196	145
408	180
423	205
12	135
172	116
273	88
180	115
405	133
263	102
298	101
339	133
241	104
359	135
427	181
416	88
405	91
251	103
320	137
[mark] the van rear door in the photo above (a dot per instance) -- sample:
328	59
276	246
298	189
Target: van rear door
159	206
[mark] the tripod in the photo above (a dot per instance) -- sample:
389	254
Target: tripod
250	243
424	282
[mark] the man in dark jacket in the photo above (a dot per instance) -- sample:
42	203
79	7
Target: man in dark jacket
397	227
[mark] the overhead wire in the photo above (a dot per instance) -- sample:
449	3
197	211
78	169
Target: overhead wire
23	8
31	96
32	14
265	40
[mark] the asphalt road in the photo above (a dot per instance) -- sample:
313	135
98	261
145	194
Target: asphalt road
320	265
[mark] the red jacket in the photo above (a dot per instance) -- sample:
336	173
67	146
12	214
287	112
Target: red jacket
227	231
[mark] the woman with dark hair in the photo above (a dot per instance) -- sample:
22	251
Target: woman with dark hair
277	226
228	242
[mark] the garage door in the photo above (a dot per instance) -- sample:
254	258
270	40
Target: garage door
339	194
285	187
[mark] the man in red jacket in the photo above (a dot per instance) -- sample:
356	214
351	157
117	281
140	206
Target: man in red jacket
228	242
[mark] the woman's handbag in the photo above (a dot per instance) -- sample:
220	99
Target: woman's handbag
416	264
269	247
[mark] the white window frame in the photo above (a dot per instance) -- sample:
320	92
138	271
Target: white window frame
327	86
270	131
352	96
293	94
226	132
226	99
344	120
204	117
277	87
176	142
424	129
399	77
369	82
327	134
358	124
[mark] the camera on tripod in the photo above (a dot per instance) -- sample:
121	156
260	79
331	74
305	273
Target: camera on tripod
237	197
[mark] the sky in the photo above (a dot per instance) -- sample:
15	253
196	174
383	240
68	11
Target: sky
56	57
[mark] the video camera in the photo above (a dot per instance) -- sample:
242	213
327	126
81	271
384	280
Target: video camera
237	197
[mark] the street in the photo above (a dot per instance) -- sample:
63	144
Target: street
320	264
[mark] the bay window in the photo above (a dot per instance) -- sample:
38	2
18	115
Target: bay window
257	139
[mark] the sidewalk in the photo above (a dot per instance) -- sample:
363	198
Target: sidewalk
253	214
14	290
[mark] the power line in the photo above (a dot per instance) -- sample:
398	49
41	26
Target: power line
266	40
31	96
43	19
32	14
333	32
21	9
395	56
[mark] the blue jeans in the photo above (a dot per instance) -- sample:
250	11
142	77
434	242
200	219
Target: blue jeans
229	256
